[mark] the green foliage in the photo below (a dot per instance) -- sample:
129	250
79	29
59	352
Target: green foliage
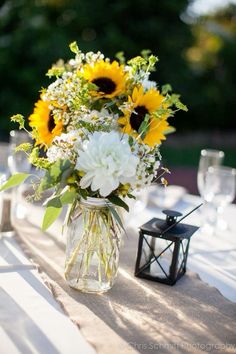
114	199
55	205
56	173
74	47
18	118
120	56
165	89
37	161
57	69
144	127
116	216
25	147
52	212
14	181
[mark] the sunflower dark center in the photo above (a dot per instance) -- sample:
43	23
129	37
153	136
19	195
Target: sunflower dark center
137	117
105	85
51	122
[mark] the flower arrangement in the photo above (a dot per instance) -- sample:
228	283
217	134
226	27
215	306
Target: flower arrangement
97	129
100	124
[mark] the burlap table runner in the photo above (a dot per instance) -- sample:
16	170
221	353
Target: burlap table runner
136	315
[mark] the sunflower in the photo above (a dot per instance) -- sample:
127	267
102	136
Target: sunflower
108	77
142	104
44	124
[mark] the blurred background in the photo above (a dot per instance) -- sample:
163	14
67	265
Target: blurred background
194	40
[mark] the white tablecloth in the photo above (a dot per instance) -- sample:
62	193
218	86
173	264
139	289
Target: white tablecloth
31	321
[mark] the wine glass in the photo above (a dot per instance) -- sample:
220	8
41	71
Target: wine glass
220	191
17	163
208	158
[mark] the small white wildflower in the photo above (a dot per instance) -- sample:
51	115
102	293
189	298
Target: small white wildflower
156	165
64	147
148	84
91	57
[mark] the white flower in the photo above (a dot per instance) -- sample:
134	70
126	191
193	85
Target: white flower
91	57
64	147
148	84
107	161
99	117
72	138
142	77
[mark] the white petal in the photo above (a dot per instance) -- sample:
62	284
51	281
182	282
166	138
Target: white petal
86	180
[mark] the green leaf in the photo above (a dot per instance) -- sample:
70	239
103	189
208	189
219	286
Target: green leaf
51	214
146	53
116	216
55	174
165	89
18	118
14	181
58	168
181	106
114	199
83	193
120	56
55	202
169	130
172	99
37	161
74	47
55	205
70	211
131	196
144	127
68	197
65	174
23	147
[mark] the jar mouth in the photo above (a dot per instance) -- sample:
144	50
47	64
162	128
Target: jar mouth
98	202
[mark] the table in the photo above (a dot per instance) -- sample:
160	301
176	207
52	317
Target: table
136	315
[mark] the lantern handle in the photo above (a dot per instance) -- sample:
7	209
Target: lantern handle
170	227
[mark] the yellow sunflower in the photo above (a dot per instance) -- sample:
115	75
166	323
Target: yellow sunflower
108	77
44	124
143	103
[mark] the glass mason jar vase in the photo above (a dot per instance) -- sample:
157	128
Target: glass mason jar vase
93	246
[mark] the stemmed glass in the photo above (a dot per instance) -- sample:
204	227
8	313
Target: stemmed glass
208	158
18	162
220	191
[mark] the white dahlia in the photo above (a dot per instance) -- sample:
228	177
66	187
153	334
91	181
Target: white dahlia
107	160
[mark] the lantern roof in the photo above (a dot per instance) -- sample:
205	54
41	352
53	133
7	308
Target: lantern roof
157	228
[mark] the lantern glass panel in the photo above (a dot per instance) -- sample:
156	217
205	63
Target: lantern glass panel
146	250
182	255
160	266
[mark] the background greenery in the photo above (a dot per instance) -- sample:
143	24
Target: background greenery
197	55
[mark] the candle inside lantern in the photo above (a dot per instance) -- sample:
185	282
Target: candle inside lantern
161	267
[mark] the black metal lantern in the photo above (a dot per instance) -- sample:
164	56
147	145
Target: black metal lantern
163	248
